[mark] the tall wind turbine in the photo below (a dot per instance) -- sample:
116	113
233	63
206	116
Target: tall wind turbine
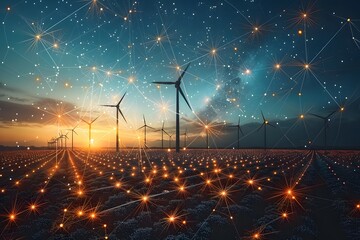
72	136
178	90
326	125
117	106
239	130
90	123
162	135
145	126
264	124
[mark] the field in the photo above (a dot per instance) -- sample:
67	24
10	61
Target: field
197	194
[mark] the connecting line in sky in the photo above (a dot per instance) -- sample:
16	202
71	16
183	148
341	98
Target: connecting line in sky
327	43
47	30
325	88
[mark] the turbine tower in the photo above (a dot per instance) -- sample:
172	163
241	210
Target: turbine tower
145	126
162	135
72	136
90	123
239	130
264	124
118	110
178	90
326	125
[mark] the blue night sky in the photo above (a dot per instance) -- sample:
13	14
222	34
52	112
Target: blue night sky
60	60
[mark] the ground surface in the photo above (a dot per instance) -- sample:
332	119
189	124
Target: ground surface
197	194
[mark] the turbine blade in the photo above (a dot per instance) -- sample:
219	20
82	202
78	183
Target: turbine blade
241	131
108	105
166	83
75	132
144	120
163	126
85	121
150	127
330	114
121	100
182	74
141	127
95	119
165	132
260	127
272	125
239	121
182	94
318	116
122	114
263	116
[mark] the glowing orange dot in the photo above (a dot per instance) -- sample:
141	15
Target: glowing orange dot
80	213
284	215
289	192
277	66
92	215
251	181
300	32
61	225
302	116
33	207
12	217
184	222
256	236
223	193
306	66
104	225
171	218
145	198
118	185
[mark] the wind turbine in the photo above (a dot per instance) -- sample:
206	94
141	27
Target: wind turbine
264	124
326	125
90	123
145	126
162	135
238	132
170	138
65	137
72	136
117	106
177	84
185	136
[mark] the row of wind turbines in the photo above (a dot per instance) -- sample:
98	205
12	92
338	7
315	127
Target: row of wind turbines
179	92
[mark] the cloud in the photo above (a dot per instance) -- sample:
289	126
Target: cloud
41	111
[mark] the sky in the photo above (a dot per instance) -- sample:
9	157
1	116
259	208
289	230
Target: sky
61	60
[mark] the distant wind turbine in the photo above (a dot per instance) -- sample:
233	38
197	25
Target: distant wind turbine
90	123
145	126
162	135
178	90
117	106
326	125
264	124
185	137
239	130
72	136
